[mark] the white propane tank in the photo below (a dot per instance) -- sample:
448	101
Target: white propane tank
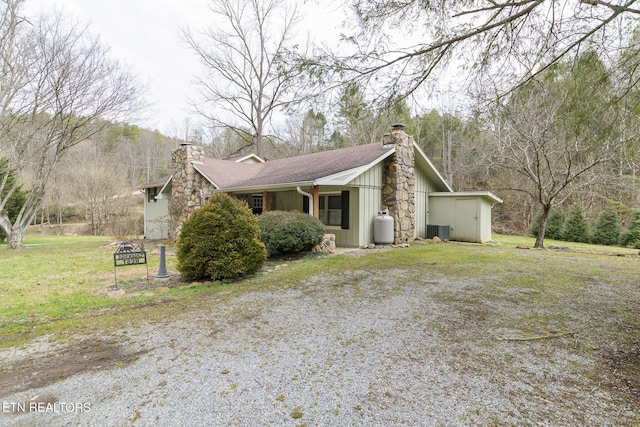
383	228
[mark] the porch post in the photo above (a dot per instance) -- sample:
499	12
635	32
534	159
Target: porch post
266	201
315	192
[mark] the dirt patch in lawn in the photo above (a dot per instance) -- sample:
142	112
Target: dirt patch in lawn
40	370
622	361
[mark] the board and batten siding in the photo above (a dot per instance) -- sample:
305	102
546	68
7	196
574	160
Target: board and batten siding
368	188
423	188
287	201
156	224
292	200
344	237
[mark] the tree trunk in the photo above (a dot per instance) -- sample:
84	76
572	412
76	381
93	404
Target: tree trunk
543	226
14	240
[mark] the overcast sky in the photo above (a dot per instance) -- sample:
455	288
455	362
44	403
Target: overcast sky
145	34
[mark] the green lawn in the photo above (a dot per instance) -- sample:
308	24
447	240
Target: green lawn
58	277
61	283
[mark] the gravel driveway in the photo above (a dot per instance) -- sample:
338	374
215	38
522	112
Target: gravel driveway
363	350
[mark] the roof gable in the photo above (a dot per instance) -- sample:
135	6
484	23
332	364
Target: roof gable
331	167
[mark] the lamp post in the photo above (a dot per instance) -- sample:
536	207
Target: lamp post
162	270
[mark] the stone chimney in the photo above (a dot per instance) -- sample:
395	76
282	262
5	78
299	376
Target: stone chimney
187	185
400	184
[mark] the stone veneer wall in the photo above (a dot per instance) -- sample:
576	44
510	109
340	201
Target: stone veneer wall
398	194
189	189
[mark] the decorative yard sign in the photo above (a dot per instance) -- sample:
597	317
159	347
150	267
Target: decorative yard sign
129	253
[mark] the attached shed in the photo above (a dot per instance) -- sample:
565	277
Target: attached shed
468	214
156	208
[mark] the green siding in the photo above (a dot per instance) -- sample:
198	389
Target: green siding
423	188
374	177
485	221
156	218
468	216
369	196
349	237
287	201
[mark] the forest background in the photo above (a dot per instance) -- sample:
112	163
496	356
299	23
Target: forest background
563	134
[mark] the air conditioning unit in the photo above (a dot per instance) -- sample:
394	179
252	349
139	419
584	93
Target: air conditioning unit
442	231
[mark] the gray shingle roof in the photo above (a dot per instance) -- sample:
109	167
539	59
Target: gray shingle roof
306	168
157	183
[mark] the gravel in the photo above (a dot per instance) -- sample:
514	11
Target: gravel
361	351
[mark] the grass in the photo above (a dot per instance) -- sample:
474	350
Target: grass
500	311
61	277
57	284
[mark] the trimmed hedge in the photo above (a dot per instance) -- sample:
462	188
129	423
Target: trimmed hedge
220	240
286	232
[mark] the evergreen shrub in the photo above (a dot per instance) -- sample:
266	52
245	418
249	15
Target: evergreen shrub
630	237
535	225
220	240
576	227
290	231
555	222
606	230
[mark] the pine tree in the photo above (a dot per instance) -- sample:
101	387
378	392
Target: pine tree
607	229
535	225
555	224
576	228
631	236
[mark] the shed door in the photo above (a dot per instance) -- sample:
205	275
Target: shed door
466	221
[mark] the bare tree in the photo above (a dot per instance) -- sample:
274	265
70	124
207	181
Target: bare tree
100	189
247	77
58	88
554	131
407	43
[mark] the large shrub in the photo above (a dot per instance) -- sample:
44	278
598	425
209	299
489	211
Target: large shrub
290	231
220	240
576	227
606	229
630	237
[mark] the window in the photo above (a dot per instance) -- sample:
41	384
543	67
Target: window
257	202
330	209
151	194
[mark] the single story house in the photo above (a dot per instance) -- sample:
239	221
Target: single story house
345	188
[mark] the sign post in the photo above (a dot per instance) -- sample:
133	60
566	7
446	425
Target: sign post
129	253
